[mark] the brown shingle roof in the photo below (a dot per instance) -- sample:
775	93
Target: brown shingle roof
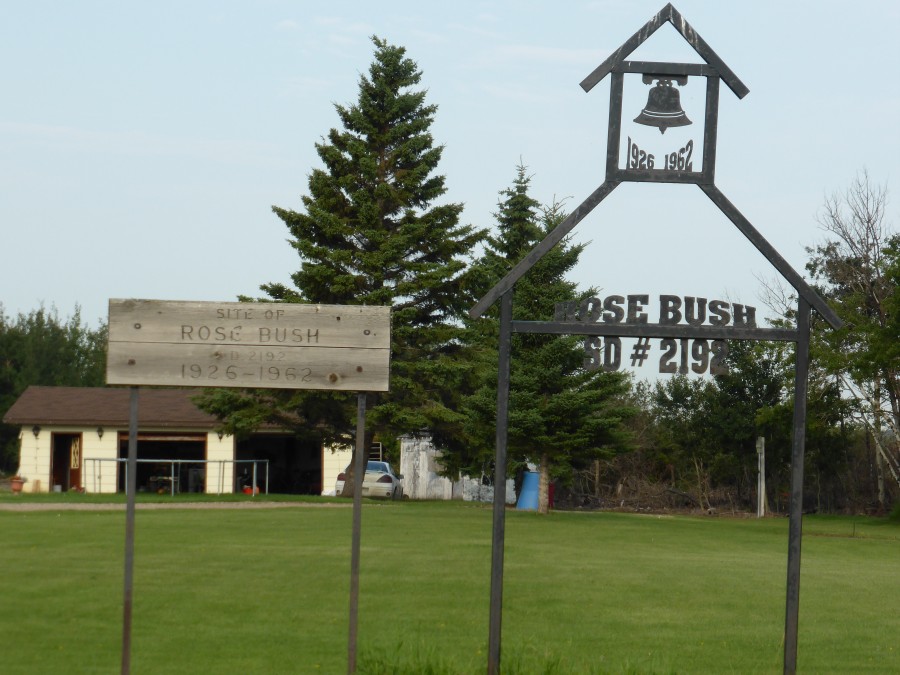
81	406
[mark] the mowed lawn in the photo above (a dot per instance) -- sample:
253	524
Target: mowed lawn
266	591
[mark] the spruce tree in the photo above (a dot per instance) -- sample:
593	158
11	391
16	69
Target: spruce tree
561	415
374	231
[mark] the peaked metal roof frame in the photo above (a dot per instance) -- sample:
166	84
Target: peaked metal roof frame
714	70
673	16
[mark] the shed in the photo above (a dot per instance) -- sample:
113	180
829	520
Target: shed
420	466
75	438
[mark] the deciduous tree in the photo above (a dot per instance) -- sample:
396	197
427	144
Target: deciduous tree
858	269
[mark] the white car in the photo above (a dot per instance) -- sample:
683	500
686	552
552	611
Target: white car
379	481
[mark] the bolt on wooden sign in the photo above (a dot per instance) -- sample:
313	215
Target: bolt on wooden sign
238	344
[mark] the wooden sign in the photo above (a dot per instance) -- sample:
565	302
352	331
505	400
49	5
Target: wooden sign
239	344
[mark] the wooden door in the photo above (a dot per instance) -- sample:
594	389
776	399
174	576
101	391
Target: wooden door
75	462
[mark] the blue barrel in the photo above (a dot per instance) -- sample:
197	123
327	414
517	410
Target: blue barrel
528	498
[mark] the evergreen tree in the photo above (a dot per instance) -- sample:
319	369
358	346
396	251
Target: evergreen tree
561	415
373	232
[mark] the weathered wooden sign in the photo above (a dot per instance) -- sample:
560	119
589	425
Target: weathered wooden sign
237	344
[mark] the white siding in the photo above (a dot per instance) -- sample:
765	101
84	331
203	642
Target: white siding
420	466
34	460
96	475
334	460
100	471
219	474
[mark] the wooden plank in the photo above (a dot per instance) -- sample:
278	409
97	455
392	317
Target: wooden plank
227	323
234	344
330	368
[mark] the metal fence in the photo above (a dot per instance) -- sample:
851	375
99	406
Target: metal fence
173	478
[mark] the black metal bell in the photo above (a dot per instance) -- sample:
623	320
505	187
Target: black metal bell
663	107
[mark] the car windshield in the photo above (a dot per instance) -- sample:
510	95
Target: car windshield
378	466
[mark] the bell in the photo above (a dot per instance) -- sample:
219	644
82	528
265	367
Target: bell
663	107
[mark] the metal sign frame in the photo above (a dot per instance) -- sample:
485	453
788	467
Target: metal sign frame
714	70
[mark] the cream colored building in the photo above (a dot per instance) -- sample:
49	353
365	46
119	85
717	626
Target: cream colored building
76	438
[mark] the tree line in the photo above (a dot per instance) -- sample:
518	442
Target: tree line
42	348
376	228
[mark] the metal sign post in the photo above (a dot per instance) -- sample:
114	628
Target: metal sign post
761	477
795	533
130	490
693	331
360	470
499	527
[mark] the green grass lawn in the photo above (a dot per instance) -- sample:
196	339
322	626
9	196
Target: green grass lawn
266	591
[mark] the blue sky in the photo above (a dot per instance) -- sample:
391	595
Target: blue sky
143	144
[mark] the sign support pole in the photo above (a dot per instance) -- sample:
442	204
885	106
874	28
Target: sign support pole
801	384
130	490
761	477
359	468
499	535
